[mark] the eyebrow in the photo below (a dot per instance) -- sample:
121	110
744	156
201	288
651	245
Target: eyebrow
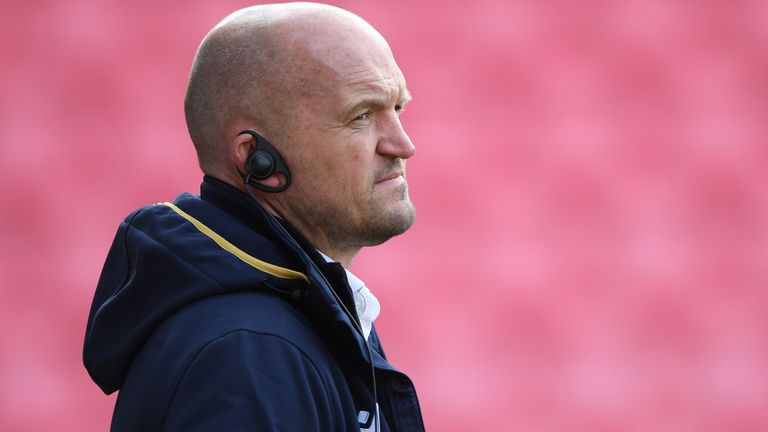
379	102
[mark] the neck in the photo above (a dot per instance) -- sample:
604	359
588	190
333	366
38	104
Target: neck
344	257
336	250
344	254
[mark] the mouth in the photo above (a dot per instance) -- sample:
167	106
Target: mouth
391	177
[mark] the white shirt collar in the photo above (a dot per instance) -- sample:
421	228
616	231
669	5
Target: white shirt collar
366	304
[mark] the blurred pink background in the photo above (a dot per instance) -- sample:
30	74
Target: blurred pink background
591	247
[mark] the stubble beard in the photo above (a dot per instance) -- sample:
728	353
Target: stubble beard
375	223
384	223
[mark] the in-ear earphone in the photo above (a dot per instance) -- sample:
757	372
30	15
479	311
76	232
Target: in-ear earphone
263	162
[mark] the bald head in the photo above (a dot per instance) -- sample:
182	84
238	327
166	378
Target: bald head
255	66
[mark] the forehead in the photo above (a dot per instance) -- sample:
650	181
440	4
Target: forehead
345	79
380	82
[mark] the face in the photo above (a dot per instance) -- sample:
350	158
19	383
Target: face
347	148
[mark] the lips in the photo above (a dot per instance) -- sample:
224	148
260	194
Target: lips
391	176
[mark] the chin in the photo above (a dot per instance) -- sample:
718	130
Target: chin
389	223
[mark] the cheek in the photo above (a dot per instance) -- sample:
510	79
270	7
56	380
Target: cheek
360	168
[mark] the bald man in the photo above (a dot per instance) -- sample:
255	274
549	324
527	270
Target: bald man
235	309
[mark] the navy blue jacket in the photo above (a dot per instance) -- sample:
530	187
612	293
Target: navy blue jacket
210	316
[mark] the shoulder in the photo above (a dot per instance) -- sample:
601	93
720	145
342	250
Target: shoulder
219	318
247	379
248	345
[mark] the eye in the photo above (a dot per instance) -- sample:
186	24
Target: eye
364	116
399	109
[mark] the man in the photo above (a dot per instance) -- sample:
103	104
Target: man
233	310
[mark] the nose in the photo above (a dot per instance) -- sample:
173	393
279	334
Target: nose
393	140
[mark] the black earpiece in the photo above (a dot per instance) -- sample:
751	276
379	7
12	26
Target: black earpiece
264	161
